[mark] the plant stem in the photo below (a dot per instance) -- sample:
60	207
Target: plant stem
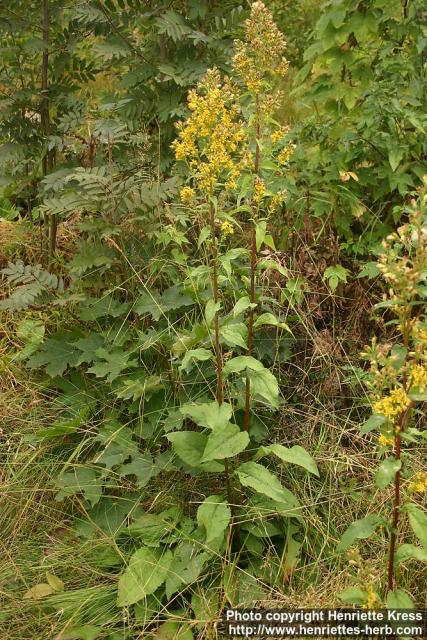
218	351
397	478
253	269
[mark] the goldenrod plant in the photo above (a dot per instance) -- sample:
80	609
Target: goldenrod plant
398	390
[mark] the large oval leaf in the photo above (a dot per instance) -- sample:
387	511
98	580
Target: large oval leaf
147	570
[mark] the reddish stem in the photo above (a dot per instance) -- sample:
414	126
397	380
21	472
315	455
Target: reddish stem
253	270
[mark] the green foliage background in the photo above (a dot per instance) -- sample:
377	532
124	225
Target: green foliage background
110	470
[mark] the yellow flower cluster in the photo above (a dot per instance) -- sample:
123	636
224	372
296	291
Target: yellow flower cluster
371	598
262	52
418	377
418	483
276	201
259	190
187	195
285	154
279	134
385	440
227	228
392	405
210	137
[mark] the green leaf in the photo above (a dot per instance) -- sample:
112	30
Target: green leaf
39	591
263	481
214	515
85	632
204	235
409	551
242	305
235	335
209	414
151	528
270	319
372	423
386	472
353	595
418	397
112	363
369	270
56	583
335	274
418	522
172	630
136	388
31	333
185	568
264	384
294	455
140	466
146	572
398	599
395	156
211	309
240	363
80	480
358	530
225	442
190	446
55	356
200	355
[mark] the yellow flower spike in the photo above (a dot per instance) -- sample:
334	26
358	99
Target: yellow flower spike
418	377
212	134
227	229
187	195
418	483
392	405
285	154
259	190
261	54
371	599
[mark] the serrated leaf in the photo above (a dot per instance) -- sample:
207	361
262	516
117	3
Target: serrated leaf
111	364
386	472
225	442
211	309
80	480
374	422
146	572
242	305
358	530
214	515
265	385
185	568
265	482
208	414
293	455
134	388
55	356
198	355
190	446
235	335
